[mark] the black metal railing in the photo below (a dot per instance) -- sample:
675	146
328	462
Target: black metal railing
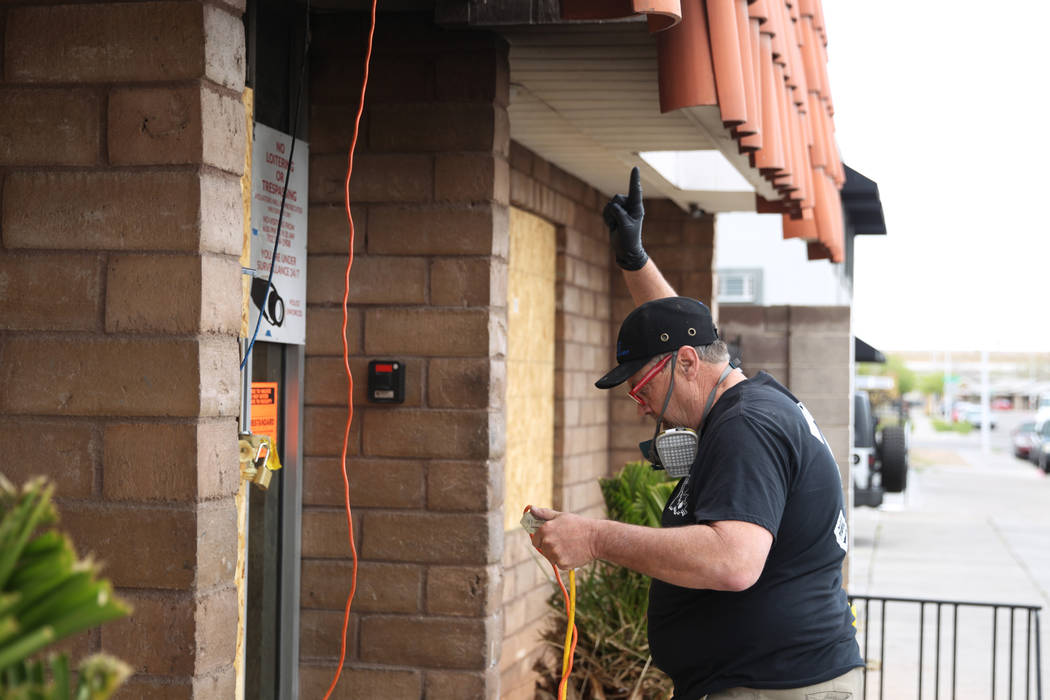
904	650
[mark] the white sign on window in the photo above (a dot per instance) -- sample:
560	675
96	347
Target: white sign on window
283	308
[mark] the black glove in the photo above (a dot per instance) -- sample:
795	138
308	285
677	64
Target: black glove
623	215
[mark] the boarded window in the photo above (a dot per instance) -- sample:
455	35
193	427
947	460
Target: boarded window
529	475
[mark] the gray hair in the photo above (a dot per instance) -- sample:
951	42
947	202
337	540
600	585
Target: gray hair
714	353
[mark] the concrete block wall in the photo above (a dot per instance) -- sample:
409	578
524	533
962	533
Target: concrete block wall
428	288
682	247
808	350
121	148
583	349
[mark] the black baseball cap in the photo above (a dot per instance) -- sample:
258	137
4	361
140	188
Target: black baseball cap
657	327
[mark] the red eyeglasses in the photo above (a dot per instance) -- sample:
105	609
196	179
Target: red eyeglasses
633	393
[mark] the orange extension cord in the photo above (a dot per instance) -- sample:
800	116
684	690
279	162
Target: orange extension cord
531	524
346	357
570	629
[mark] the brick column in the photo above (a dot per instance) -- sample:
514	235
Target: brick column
121	149
820	372
428	288
808	350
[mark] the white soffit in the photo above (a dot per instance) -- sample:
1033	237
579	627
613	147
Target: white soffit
586	98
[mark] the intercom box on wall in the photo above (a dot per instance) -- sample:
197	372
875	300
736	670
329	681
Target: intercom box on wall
386	381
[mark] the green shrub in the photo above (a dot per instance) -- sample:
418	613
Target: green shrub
951	426
612	654
47	594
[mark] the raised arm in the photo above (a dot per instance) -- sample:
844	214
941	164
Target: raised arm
647	284
623	215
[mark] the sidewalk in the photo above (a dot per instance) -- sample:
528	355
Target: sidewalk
971	526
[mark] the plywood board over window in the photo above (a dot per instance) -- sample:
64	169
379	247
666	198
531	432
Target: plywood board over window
529	475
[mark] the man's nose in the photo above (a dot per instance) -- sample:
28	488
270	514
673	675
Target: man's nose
643	409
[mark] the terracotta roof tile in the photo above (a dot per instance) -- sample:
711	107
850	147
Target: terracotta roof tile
686	73
753	142
662	14
759	11
728	63
770	158
764	63
751	124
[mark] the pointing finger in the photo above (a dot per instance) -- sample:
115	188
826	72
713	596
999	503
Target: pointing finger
634	196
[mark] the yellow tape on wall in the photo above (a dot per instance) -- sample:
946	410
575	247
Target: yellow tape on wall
248	99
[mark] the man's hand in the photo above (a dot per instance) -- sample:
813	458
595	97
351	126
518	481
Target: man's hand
623	215
567	540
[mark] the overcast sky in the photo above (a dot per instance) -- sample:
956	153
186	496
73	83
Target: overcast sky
944	104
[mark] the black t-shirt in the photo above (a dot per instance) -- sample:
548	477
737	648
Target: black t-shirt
761	460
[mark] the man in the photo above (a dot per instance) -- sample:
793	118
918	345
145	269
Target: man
746	599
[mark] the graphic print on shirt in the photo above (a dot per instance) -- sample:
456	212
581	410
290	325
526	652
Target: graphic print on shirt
813	426
678	503
842	532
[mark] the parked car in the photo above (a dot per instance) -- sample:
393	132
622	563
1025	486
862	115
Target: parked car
1039	452
879	459
959	411
1022	437
972	415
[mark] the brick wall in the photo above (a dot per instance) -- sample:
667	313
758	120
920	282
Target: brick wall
121	148
683	248
808	350
428	287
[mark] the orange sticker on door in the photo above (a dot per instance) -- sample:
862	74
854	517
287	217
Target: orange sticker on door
264	410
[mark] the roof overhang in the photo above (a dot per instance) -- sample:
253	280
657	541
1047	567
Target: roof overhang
586	97
747	81
596	83
862	352
862	205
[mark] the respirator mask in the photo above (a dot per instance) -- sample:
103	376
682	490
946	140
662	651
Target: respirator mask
674	449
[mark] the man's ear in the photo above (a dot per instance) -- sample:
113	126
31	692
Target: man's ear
688	361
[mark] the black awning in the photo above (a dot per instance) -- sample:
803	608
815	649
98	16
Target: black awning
862	352
861	204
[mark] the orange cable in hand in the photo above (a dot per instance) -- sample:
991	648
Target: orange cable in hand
570	629
530	523
346	358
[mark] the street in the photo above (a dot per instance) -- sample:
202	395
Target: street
972	526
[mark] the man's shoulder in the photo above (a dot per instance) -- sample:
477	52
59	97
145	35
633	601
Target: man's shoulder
762	394
764	381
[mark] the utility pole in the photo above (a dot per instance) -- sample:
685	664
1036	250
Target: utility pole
986	413
947	385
